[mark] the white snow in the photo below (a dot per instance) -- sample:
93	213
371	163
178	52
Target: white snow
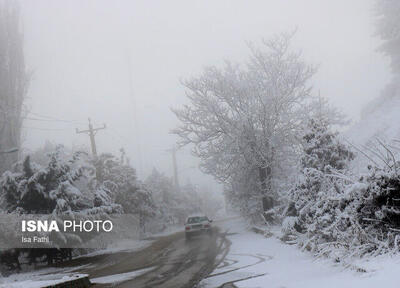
275	264
117	278
42	281
38	278
52	276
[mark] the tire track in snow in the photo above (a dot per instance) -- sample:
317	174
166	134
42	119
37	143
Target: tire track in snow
226	262
260	260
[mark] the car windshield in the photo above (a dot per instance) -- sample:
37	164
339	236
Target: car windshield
199	219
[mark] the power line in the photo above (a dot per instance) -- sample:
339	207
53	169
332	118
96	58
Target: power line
135	118
122	138
44	129
52	118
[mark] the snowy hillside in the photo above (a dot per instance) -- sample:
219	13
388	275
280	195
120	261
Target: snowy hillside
379	119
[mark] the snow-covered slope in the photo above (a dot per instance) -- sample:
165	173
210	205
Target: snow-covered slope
379	119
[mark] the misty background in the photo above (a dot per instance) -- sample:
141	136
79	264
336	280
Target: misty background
120	62
225	77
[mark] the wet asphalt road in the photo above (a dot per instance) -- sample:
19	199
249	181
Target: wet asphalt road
175	262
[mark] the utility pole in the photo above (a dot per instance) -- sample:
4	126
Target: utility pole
135	122
175	167
92	132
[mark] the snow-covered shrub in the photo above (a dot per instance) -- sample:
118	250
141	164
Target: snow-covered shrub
316	204
32	189
61	187
290	229
116	181
331	214
378	208
362	219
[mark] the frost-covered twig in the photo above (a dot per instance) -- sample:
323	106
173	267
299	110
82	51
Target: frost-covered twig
390	153
362	152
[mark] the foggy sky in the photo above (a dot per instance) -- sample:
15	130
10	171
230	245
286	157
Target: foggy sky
81	52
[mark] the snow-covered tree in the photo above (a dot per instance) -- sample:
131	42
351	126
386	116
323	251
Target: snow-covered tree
388	29
113	176
322	150
174	205
62	186
117	182
242	194
171	203
41	155
14	81
201	199
36	190
315	200
247	115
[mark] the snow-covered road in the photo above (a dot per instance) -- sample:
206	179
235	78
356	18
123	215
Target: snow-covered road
256	261
245	260
166	261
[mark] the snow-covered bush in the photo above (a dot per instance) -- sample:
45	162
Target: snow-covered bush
62	187
32	189
117	182
316	201
164	195
334	215
362	219
378	208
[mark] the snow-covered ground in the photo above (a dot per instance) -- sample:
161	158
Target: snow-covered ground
52	276
40	278
117	278
256	261
252	261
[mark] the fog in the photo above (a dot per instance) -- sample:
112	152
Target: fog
120	62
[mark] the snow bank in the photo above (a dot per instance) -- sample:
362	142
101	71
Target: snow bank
43	281
117	278
256	261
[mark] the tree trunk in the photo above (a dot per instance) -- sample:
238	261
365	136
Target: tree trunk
13	82
265	176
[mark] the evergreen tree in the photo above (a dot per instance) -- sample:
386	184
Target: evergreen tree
33	189
61	187
322	150
315	204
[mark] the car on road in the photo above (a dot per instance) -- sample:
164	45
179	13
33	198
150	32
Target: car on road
197	225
